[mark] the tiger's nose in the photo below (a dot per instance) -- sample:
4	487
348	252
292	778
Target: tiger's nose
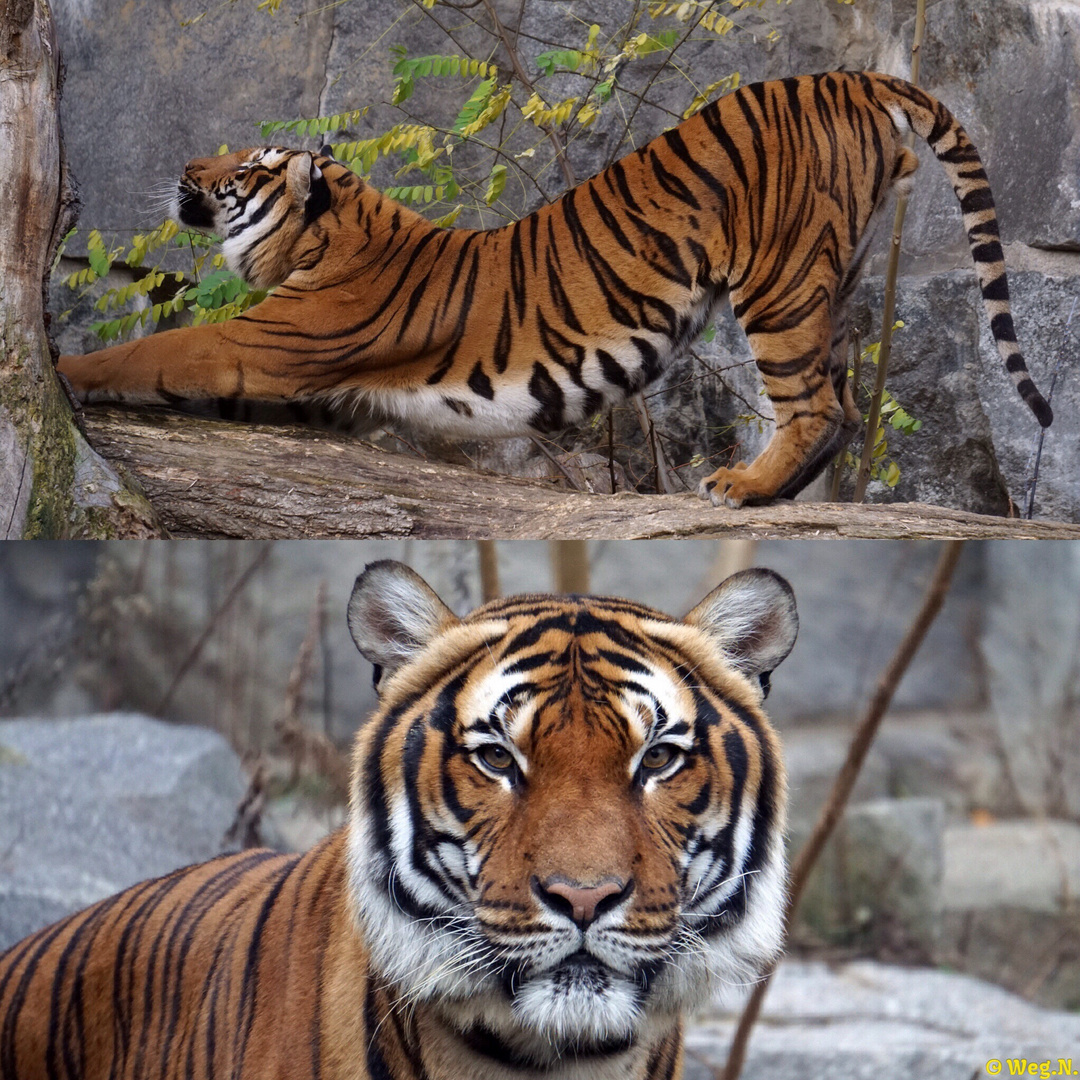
581	903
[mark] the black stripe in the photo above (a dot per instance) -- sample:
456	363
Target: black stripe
671	183
711	115
976	201
480	384
517	271
615	373
988	252
247	1003
504	339
998	289
610	221
376	1062
1001	326
552	402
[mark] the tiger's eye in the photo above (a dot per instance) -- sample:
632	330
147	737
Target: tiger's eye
658	757
496	757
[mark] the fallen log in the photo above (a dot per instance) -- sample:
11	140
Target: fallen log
214	479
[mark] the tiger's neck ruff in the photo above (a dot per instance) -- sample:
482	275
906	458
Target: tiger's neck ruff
565	833
768	195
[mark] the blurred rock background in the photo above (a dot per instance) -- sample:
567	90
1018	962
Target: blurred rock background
961	847
152	84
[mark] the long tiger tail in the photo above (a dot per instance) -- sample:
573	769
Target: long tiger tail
930	120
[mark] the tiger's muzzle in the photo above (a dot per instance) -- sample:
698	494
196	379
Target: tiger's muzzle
191	209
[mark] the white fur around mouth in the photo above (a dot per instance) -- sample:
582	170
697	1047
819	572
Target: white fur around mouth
579	1005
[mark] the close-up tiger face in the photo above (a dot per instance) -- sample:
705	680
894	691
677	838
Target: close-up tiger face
258	201
567	814
565	834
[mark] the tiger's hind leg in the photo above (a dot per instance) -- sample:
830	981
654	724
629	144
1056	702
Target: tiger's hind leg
794	351
819	460
838	371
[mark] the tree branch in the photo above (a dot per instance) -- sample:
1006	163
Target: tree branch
215	479
845	782
523	78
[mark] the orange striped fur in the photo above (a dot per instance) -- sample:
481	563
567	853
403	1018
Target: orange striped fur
565	833
766	196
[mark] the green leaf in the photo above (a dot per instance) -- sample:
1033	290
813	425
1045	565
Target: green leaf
96	254
496	183
548	61
604	90
476	104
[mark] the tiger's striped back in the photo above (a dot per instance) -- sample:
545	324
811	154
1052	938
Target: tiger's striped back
164	979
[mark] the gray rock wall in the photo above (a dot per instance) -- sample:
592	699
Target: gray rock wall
91	806
855	599
144	94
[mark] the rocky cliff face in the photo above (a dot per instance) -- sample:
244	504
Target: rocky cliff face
144	94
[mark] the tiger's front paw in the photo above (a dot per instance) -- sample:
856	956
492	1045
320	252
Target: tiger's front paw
733	487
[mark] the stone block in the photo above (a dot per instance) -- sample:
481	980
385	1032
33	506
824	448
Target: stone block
877	884
90	806
1012	906
871	1021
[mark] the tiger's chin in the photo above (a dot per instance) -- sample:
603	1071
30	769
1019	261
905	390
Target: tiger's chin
579	1006
576	1012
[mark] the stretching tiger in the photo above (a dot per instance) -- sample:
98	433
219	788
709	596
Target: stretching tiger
765	196
565	832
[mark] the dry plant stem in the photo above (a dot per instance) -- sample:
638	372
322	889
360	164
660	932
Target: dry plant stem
663	476
611	449
523	78
845	782
301	669
193	654
243	832
570	565
302	744
1029	511
885	351
538	443
489	570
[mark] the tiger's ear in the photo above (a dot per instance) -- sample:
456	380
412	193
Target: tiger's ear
752	617
308	186
393	614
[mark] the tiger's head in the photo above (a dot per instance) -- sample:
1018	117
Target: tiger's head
260	201
567	813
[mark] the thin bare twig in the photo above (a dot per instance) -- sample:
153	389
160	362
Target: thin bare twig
611	448
663	476
194	652
539	444
856	371
301	743
1042	431
523	78
244	832
845	782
